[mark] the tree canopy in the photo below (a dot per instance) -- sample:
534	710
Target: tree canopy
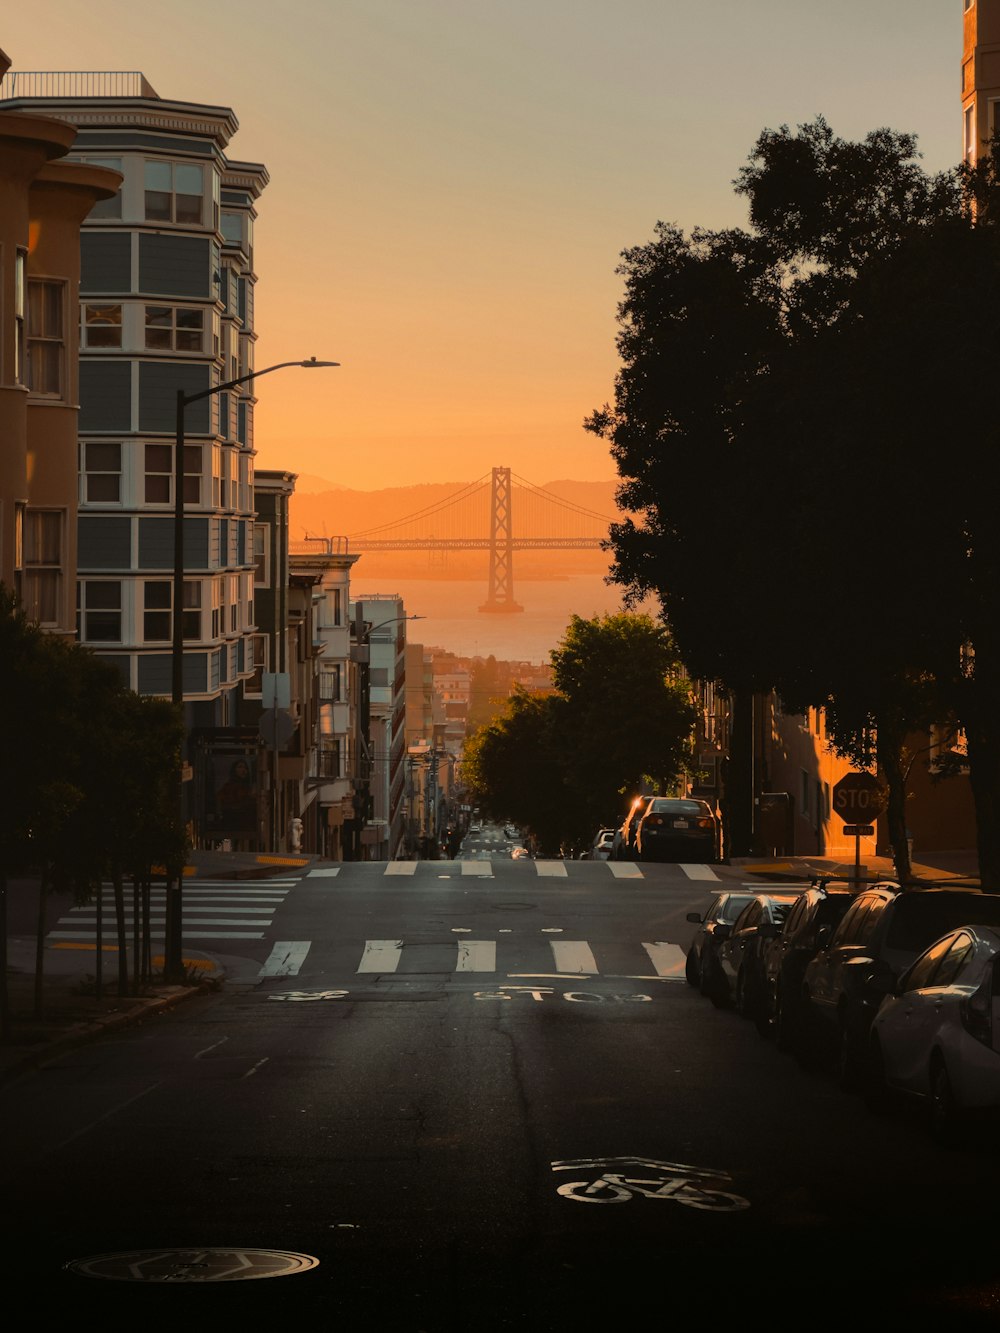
803	417
562	765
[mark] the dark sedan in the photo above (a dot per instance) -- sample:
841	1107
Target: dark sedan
677	829
713	927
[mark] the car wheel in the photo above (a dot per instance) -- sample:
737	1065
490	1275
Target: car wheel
692	972
942	1109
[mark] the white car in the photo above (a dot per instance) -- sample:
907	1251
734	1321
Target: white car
600	849
936	1037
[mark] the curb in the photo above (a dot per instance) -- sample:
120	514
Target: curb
43	1053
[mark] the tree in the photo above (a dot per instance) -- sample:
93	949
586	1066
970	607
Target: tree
622	717
817	353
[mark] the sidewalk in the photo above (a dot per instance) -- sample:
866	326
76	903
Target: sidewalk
72	1013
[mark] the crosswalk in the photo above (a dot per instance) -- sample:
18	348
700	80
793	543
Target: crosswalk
528	956
213	910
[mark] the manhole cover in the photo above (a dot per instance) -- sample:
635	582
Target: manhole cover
513	907
217	1264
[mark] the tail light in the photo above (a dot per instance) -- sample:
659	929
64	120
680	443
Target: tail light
654	819
705	822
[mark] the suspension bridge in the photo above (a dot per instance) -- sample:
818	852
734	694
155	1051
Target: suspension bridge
505	513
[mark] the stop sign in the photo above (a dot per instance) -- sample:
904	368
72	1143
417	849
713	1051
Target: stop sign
858	798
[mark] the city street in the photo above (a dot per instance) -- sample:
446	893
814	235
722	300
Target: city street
480	1094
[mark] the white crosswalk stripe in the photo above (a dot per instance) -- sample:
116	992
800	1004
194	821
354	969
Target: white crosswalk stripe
554	957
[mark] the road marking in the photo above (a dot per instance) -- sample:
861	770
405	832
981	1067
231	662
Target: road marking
550	868
668	959
573	956
624	869
477	956
482	868
401	868
381	956
286	959
699	872
325	873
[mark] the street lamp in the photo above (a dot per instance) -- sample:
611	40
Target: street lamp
363	636
173	965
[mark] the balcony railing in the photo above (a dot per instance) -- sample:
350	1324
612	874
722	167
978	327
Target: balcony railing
76	83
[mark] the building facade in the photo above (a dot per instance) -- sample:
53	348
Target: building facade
165	308
44	199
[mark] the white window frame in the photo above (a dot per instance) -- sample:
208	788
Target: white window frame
46	345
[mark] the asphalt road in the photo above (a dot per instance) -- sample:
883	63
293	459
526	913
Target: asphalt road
480	1094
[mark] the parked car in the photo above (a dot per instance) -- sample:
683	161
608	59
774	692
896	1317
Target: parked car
786	950
883	932
677	829
713	927
936	1037
739	976
600	848
627	832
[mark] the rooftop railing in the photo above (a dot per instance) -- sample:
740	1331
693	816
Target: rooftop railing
75	83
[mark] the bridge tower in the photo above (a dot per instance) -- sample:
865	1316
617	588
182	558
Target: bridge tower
501	589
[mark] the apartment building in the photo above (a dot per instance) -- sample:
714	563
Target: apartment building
165	308
44	199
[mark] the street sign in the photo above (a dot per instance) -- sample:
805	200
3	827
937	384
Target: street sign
859	830
858	796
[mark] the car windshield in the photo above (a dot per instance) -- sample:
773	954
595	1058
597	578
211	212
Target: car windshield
676	808
734	905
919	919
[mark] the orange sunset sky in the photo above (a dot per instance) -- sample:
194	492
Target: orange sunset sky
452	182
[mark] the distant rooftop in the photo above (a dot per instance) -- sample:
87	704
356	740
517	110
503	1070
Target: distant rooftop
76	83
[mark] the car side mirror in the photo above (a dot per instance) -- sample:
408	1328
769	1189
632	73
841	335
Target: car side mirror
723	930
823	937
767	930
696	917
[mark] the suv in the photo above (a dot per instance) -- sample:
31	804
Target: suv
785	951
883	932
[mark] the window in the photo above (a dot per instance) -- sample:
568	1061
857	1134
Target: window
159	485
159	473
329	682
156	617
804	792
107	208
174	192
175	328
970	133
258	660
217	609
261	555
234	603
42	536
20	260
100	612
46	341
102	326
102	473
232	228
191	616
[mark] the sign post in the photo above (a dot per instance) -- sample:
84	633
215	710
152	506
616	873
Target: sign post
858	798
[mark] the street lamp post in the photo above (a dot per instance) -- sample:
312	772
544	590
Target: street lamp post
363	637
173	965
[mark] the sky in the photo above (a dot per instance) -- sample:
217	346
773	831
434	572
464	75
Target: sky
452	183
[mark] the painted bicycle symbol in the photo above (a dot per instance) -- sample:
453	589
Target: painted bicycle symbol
296	995
689	1185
